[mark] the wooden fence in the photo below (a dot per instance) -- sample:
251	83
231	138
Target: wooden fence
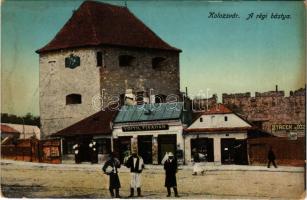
33	150
287	152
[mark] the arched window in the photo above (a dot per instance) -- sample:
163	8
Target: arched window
126	60
73	99
158	62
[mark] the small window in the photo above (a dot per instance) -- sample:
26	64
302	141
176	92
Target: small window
99	58
201	119
226	118
160	98
158	62
126	61
140	98
73	99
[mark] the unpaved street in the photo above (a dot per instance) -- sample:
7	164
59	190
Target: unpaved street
87	181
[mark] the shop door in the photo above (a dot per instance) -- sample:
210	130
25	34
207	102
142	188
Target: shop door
240	152
145	148
123	146
166	143
227	151
85	152
205	147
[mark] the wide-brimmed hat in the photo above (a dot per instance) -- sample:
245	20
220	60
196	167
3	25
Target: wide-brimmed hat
170	154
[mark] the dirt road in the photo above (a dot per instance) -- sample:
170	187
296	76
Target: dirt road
89	182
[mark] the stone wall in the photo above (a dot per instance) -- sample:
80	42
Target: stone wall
141	76
56	82
88	80
269	108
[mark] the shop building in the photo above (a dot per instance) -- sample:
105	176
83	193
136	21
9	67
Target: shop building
98	128
152	129
220	134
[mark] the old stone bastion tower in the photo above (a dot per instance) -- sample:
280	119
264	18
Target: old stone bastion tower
102	50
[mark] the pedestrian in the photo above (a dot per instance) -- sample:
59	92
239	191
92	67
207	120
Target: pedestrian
136	165
170	167
197	166
93	152
271	158
111	168
76	149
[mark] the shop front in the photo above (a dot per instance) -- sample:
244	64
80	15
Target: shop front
219	135
89	140
152	133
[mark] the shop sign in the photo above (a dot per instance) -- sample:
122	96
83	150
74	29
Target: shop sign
288	127
145	128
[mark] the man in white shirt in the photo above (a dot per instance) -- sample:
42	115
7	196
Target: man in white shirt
136	165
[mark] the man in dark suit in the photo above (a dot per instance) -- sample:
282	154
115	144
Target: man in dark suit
170	167
271	157
111	168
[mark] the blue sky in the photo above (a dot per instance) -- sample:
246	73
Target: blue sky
223	55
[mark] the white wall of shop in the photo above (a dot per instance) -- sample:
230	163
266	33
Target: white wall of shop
216	143
218	121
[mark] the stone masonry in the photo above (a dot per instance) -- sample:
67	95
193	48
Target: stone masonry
269	108
141	76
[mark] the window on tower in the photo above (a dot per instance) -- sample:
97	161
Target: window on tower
126	60
158	62
73	99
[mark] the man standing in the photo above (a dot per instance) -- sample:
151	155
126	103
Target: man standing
170	167
76	149
136	165
93	152
111	168
271	157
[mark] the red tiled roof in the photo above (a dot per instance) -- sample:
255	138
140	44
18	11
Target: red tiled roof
207	130
218	109
96	124
8	129
96	23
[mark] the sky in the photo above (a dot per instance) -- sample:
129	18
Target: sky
218	55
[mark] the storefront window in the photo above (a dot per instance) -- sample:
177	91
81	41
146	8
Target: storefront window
204	146
104	145
67	147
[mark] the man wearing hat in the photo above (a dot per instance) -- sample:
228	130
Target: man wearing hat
170	167
111	168
136	165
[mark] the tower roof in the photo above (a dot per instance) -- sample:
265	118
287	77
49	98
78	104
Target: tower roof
96	23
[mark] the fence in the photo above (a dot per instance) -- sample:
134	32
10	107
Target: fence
287	152
33	150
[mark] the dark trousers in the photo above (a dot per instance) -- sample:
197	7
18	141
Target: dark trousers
169	191
273	162
116	192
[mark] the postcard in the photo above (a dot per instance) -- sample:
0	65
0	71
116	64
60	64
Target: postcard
153	99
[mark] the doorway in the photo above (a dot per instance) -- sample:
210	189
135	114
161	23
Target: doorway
123	146
166	143
145	148
205	147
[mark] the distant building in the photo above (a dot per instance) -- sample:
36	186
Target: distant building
25	131
220	134
8	132
102	51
